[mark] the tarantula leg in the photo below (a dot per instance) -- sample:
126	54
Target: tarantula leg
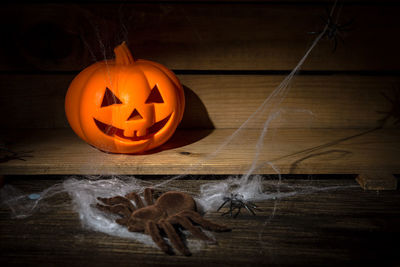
135	197
148	196
154	232
134	228
174	238
187	224
118	200
119	209
194	216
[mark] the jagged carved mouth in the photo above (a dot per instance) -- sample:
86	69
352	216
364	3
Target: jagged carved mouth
114	131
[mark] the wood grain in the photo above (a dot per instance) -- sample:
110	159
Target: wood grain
223	101
299	151
198	35
346	226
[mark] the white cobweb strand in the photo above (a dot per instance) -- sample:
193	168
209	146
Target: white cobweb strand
252	189
23	205
211	194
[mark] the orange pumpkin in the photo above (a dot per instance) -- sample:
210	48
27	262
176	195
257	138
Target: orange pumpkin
125	105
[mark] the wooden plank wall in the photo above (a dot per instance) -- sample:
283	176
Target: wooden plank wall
229	55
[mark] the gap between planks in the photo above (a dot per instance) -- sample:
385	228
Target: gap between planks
377	181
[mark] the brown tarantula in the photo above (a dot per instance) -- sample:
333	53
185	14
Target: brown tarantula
170	209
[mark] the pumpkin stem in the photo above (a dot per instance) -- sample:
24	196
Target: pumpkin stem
122	55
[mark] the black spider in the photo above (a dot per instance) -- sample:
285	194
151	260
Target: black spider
332	30
237	202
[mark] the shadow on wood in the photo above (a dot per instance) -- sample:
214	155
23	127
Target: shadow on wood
181	139
195	117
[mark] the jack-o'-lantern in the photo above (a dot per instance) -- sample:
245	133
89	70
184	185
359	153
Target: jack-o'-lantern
125	105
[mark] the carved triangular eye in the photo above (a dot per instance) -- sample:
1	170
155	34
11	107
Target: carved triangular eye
155	96
110	99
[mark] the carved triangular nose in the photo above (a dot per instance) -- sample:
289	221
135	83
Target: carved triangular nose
135	115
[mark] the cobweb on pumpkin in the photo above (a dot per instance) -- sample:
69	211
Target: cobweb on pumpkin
209	196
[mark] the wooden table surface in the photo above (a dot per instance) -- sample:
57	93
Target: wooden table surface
334	227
